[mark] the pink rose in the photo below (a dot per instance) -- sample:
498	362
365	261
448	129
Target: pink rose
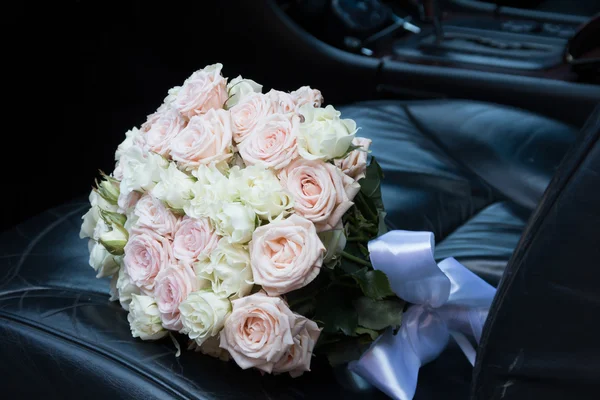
128	201
283	103
206	139
306	95
194	240
206	89
152	119
250	112
273	144
160	134
321	191
151	213
297	359
173	284
146	253
355	163
259	331
285	255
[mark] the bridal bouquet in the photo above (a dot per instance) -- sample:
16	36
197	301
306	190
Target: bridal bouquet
241	219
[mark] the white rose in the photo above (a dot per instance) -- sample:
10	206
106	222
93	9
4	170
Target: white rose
334	241
91	218
228	270
141	170
104	263
323	135
114	293
203	315
114	239
174	188
210	191
132	221
236	221
100	229
144	318
122	289
238	88
260	189
132	137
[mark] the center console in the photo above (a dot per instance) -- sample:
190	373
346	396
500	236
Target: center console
453	48
465	34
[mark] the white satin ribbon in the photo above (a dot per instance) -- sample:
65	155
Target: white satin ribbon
447	301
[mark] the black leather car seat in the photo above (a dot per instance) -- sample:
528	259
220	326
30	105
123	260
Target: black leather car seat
540	340
470	172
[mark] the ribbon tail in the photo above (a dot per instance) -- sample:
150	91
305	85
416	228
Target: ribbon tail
389	367
465	345
392	362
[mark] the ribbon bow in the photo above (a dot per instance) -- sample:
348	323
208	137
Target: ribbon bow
447	300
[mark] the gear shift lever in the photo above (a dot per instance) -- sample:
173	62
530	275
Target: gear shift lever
432	11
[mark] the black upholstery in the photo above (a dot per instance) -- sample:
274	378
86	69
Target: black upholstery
470	172
541	338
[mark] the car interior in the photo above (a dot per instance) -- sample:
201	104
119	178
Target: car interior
484	115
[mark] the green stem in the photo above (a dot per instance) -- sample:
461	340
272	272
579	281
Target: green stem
361	199
357	260
358	230
358	239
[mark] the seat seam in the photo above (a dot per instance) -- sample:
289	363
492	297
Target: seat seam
426	133
475	214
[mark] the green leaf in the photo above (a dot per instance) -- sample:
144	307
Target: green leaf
112	218
345	351
373	283
348	266
334	308
366	331
116	248
367	209
370	185
306	307
378	314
